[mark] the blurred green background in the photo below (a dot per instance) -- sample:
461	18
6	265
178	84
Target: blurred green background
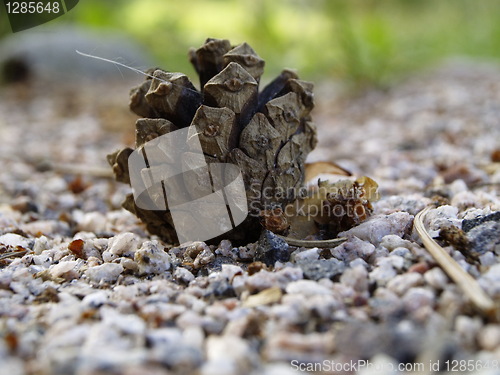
362	43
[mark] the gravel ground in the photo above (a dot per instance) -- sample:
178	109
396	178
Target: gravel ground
86	290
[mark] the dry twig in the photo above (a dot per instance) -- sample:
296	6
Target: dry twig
466	282
314	243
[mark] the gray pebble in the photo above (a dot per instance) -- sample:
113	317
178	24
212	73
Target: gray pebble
321	268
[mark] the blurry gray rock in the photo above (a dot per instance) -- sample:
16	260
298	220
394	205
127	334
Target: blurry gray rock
49	53
321	268
271	248
485	237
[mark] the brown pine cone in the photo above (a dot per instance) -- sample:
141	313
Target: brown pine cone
267	135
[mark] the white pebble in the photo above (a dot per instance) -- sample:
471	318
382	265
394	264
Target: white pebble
417	298
358	262
467	329
44	259
436	278
356	278
11	239
108	257
383	273
490	281
226	353
489	337
487	259
376	228
183	275
152	259
107	272
96	299
230	270
58	270
92	222
402	283
307	288
391	242
123	244
307	255
225	248
204	257
457	186
397	262
41	244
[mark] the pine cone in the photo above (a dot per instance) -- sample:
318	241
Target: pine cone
267	135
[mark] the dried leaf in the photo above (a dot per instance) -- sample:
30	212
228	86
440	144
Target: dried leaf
324	167
265	297
76	247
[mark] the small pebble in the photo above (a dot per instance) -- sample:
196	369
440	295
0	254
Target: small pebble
436	278
377	227
400	284
467	329
307	287
183	275
417	298
124	244
14	240
356	278
151	258
489	337
105	273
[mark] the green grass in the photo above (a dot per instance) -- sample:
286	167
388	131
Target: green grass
361	42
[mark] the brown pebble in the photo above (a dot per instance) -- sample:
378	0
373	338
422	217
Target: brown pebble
230	304
24	204
421	267
359	300
77	185
274	220
255	267
11	341
439	200
49	294
462	172
90	314
495	156
76	247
